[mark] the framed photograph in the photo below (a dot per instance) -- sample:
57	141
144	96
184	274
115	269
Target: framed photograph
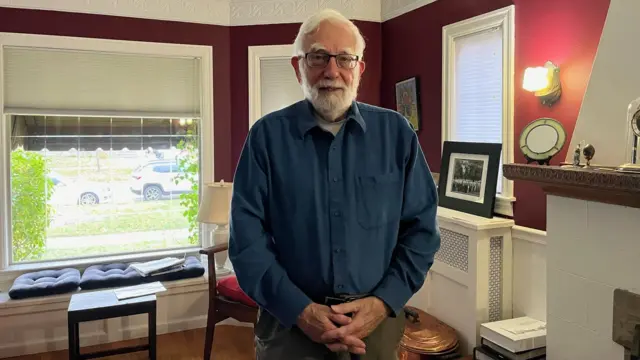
408	101
469	177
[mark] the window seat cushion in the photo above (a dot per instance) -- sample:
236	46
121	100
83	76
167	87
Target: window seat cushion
45	283
119	275
109	275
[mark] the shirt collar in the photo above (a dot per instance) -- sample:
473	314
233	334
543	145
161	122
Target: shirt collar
308	120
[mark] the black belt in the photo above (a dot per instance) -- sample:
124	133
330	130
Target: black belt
342	298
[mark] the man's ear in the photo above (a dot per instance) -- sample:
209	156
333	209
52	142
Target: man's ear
295	62
362	66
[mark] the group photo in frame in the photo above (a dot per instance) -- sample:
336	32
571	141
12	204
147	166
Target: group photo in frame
469	177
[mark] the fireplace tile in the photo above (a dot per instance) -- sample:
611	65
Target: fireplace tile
571	305
599	305
567	221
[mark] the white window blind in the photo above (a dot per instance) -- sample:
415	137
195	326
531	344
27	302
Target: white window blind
477	103
46	81
279	86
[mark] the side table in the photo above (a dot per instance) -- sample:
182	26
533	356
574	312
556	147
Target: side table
104	304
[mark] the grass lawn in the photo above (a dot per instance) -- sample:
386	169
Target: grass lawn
123	218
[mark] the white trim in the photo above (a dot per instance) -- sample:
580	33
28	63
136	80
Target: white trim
505	19
201	52
393	13
529	234
256	54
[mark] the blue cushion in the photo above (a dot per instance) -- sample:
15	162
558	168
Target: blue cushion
45	282
192	268
109	275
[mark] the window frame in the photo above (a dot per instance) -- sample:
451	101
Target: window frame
503	18
203	53
257	54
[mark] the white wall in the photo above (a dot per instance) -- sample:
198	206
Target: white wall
613	84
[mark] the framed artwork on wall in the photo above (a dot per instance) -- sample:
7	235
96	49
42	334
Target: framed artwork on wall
469	177
408	101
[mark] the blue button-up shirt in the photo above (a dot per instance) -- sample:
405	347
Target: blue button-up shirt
315	215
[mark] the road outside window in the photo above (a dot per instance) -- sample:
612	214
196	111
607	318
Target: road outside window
89	186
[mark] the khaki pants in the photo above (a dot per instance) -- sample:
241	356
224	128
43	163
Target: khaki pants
274	342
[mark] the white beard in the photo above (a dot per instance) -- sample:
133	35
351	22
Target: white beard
330	105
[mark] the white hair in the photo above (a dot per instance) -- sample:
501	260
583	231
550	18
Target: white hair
312	23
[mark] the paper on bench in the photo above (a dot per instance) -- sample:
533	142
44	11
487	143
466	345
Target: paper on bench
157	266
139	290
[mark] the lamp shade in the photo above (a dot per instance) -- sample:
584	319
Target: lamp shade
536	79
215	203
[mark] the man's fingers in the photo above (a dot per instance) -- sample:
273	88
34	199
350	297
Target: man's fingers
339	333
347	307
353	341
337	347
340	319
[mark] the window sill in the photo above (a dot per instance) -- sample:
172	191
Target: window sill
504	205
9	274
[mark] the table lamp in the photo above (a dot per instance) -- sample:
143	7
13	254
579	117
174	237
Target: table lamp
214	209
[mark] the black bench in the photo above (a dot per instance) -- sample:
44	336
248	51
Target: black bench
104	304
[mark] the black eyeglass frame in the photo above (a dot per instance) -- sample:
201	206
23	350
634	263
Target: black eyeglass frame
329	56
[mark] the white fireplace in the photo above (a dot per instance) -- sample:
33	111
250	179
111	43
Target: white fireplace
593	248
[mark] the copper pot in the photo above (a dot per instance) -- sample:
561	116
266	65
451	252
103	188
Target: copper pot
426	337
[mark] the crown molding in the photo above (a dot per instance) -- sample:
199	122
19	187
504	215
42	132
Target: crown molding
258	12
394	8
213	12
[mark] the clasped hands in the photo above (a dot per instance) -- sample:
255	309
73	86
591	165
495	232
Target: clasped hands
331	325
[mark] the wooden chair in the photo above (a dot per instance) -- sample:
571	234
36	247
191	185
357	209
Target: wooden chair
222	307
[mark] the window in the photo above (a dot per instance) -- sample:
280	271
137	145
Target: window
478	88
104	147
272	80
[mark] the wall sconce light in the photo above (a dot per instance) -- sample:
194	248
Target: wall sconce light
544	82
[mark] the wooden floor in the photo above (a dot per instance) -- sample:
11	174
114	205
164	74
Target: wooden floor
231	343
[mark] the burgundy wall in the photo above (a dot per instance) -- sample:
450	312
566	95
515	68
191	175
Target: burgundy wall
244	36
564	31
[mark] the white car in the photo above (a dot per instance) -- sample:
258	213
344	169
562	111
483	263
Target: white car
157	179
69	192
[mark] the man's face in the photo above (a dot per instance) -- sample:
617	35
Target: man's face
332	87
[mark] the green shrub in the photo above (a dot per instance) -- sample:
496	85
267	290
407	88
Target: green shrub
188	163
30	211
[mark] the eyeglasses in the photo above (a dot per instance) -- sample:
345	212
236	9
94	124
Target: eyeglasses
321	59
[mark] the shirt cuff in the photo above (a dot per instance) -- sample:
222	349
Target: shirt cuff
394	294
289	305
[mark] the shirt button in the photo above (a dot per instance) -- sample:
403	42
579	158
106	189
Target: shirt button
333	148
340	286
335	179
337	251
337	213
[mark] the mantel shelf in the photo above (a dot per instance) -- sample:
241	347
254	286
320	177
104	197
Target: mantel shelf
601	185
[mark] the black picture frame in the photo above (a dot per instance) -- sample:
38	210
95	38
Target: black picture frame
469	177
408	101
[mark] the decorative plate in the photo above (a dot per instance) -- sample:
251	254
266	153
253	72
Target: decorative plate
542	139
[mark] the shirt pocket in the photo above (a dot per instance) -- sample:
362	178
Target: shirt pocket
379	199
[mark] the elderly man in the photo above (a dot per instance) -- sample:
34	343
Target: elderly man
333	216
